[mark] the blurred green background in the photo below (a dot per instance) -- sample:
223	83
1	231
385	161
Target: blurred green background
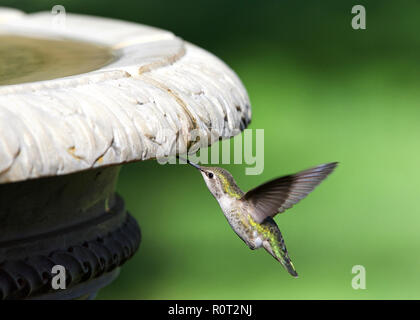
322	92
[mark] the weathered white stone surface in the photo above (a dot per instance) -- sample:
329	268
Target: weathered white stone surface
161	88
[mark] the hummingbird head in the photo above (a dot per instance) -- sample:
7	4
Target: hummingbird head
219	181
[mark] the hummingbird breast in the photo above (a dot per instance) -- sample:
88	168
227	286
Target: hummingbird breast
236	213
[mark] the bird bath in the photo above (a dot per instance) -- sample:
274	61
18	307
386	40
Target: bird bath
76	103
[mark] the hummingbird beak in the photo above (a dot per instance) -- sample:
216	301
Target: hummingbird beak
190	163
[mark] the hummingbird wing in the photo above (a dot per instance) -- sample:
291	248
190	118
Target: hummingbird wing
282	193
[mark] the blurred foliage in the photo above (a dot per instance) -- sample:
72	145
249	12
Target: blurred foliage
323	92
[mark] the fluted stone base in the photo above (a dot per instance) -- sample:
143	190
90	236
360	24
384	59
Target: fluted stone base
76	221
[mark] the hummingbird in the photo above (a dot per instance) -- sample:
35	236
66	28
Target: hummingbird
251	214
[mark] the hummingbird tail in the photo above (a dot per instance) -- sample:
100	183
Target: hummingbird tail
274	244
291	268
277	249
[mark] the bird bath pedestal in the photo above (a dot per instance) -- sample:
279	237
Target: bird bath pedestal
78	100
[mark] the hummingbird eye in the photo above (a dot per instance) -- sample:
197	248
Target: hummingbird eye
210	175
